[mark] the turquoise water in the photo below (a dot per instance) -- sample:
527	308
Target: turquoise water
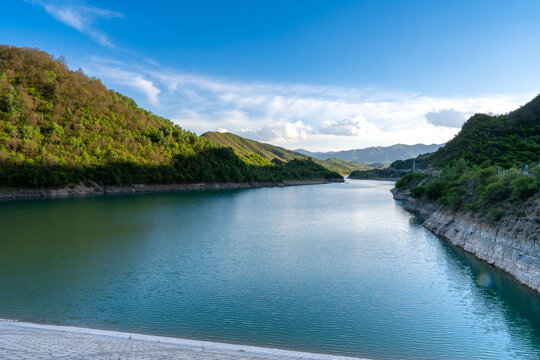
337	268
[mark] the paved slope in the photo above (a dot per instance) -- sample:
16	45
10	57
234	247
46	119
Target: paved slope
20	340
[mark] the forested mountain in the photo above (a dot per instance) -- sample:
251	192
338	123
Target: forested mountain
377	154
59	126
246	147
491	166
259	153
504	140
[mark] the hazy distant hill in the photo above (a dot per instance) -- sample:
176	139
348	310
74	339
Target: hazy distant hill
377	154
256	152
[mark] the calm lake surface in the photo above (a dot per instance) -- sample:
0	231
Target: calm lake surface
337	268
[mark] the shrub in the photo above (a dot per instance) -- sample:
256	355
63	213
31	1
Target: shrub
497	191
434	190
417	192
524	187
495	214
472	206
452	196
485	176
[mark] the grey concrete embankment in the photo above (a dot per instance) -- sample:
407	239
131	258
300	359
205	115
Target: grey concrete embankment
19	340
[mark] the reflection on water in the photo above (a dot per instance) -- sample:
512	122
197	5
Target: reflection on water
497	290
337	268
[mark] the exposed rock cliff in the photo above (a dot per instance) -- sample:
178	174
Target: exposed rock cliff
511	244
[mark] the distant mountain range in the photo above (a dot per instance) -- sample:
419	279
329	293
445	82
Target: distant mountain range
377	154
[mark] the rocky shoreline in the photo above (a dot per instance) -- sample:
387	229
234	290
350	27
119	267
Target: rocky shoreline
73	190
511	244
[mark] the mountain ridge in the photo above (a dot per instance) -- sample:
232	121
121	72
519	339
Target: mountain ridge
376	154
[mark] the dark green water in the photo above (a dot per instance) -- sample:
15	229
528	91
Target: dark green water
337	268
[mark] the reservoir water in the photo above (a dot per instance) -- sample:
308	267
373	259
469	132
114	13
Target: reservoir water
337	268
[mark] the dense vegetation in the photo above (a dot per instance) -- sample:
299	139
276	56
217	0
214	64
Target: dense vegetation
491	167
59	126
505	140
486	190
257	153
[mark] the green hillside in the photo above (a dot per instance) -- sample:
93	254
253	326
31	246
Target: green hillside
255	152
491	166
246	147
59	126
504	140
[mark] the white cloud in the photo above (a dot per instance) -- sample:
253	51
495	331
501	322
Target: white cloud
347	127
293	115
446	117
132	79
79	16
146	87
280	133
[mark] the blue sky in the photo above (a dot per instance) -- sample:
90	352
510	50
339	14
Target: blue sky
322	75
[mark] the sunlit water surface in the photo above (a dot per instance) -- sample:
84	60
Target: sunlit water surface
338	268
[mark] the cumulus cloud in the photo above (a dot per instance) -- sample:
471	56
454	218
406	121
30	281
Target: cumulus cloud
446	117
296	115
80	17
281	133
346	127
146	87
140	82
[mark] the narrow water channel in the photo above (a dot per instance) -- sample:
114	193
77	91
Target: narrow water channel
337	268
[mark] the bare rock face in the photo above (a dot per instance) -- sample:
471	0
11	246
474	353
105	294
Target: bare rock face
511	244
401	194
421	208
